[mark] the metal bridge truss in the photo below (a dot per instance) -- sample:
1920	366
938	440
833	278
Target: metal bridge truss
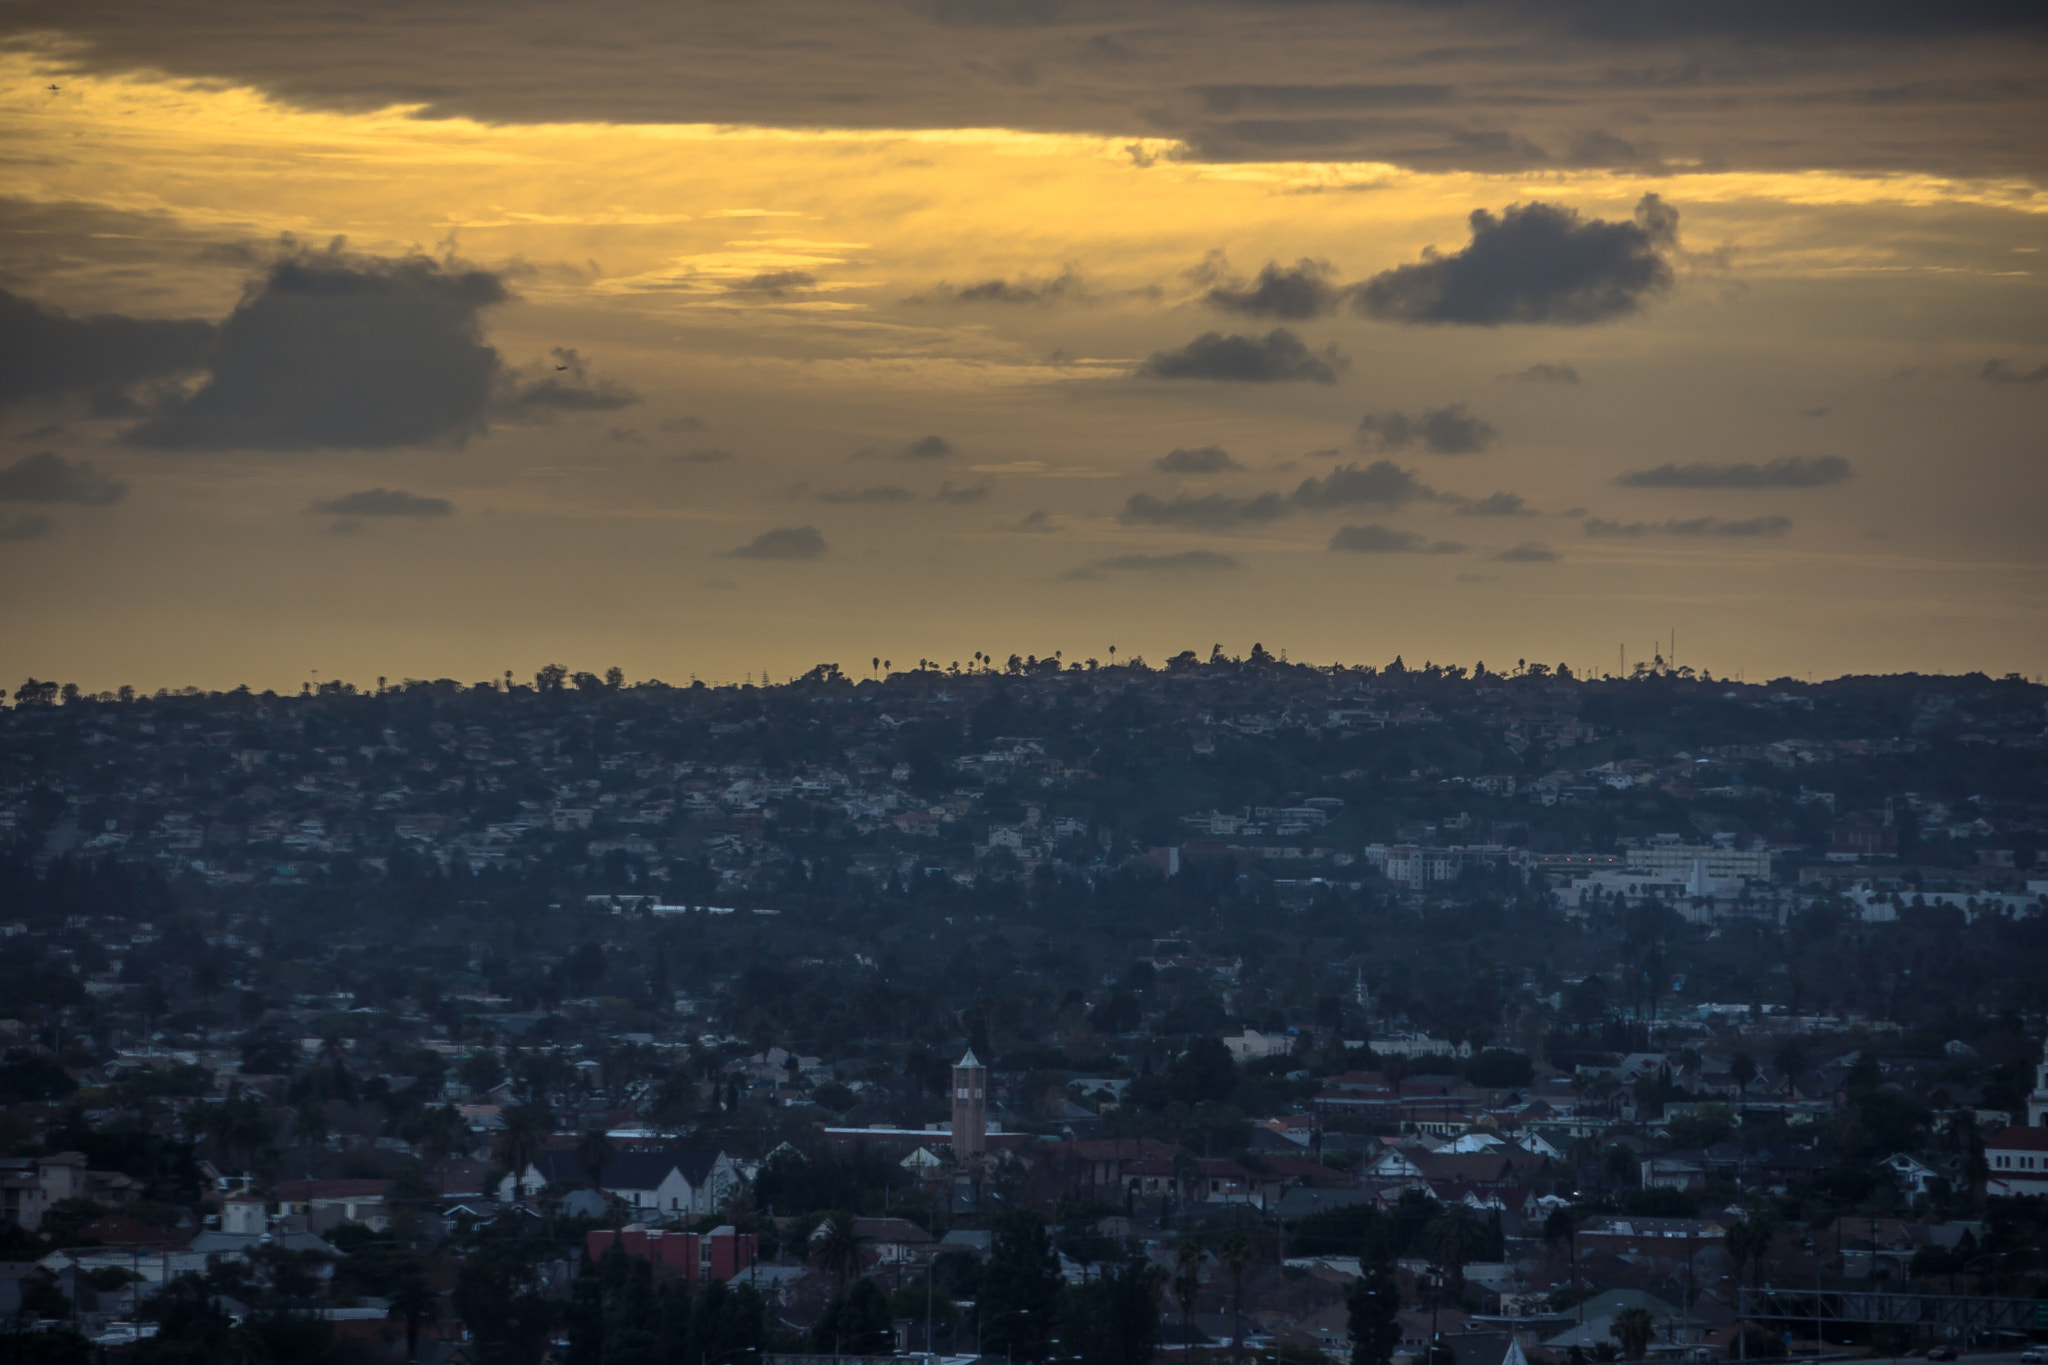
1940	1313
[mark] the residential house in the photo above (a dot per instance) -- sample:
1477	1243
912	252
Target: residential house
891	1241
29	1185
666	1185
327	1203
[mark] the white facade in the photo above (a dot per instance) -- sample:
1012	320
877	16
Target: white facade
1251	1045
1676	862
2018	1162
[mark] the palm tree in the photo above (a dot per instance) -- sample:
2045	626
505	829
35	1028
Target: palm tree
1452	1238
1236	1255
837	1249
415	1300
1633	1328
594	1152
340	1081
1187	1288
1563	1226
309	1121
518	1144
1750	1240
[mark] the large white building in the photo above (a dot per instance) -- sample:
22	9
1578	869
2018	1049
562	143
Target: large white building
1667	858
2018	1162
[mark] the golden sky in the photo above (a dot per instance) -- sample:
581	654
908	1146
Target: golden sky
719	341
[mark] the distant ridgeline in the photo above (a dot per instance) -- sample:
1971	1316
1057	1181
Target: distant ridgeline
1036	777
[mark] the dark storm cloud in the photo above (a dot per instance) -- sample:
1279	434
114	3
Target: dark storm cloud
45	352
343	351
382	502
1451	430
1455	86
784	542
1382	482
25	528
1375	539
961	496
1215	512
927	448
564	385
1187	561
1796	471
1714	526
49	477
1528	552
1497	505
1602	528
1534	263
775	284
1543	372
1306	289
1278	357
1196	460
1764	21
1608	528
1021	290
1427	143
885	493
1294	99
1601	149
1038	522
1999	372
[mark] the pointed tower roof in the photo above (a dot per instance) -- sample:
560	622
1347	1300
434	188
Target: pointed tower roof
967	1059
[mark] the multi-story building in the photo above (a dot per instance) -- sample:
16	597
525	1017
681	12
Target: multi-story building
1667	858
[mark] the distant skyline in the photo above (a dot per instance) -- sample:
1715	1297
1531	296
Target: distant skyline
718	341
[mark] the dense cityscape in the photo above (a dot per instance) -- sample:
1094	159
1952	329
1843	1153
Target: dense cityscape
1065	1010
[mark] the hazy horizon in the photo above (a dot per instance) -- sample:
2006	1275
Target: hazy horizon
709	342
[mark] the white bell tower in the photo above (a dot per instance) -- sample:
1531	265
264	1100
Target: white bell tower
2037	1103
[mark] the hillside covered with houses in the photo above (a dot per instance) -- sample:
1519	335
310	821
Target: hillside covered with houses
1048	1008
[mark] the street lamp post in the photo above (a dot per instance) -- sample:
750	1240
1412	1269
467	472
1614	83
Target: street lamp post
979	1324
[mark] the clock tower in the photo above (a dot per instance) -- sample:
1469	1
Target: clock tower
970	1107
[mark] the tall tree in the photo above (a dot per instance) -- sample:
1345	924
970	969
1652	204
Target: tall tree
1114	1318
594	1152
1236	1254
1373	1303
1633	1329
518	1144
838	1250
1452	1238
855	1323
416	1301
1187	1287
1020	1288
